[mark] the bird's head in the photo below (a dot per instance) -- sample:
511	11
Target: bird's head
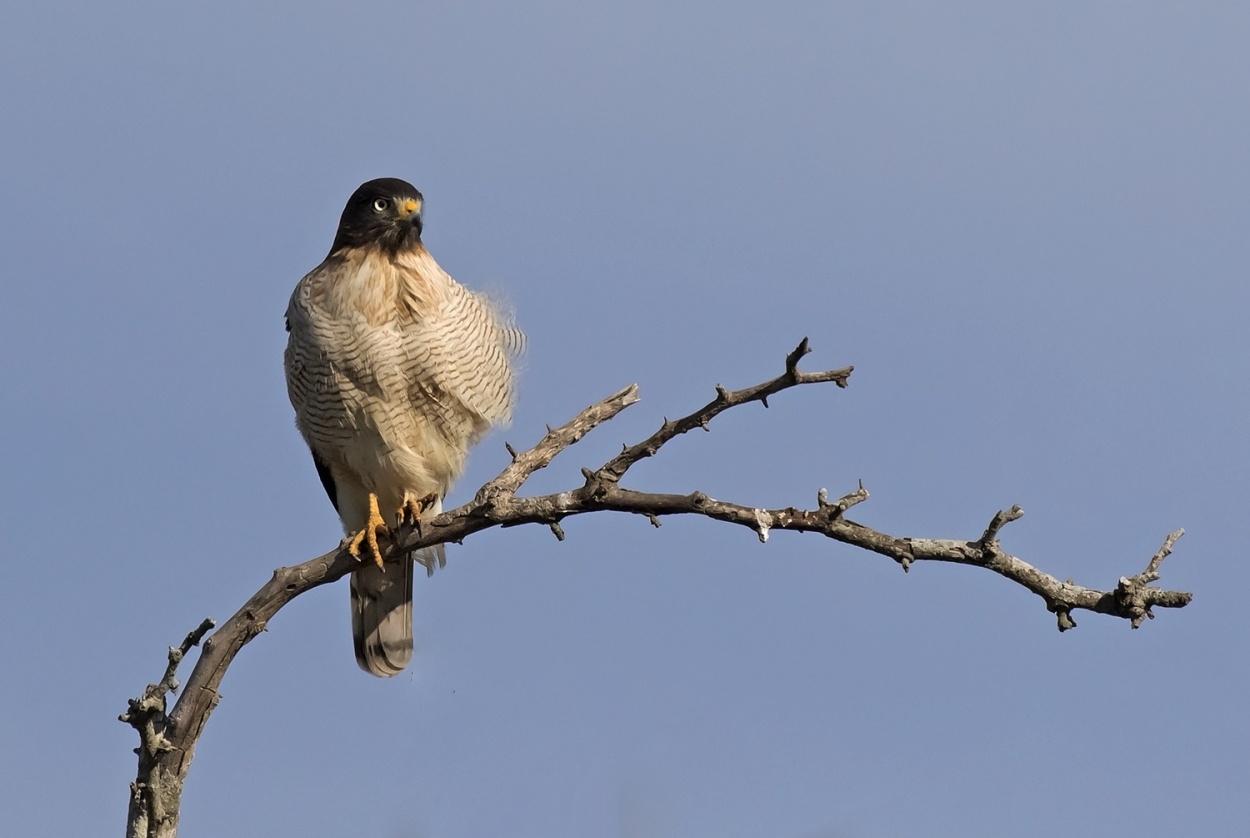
384	212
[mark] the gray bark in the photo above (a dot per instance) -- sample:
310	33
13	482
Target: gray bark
168	739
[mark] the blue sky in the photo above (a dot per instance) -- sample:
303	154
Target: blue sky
1025	227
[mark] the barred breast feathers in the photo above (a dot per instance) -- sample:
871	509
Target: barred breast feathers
367	310
462	343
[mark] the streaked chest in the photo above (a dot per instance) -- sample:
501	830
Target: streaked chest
376	287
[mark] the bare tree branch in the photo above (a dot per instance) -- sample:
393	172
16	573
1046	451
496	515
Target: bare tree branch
155	794
167	743
1133	596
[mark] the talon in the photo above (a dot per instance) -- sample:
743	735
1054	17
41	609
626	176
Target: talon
410	513
369	533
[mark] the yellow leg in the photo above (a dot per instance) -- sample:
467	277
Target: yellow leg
369	533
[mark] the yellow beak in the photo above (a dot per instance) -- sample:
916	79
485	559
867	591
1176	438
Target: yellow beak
408	207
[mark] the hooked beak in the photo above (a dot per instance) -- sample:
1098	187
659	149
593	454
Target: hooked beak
410	211
409	208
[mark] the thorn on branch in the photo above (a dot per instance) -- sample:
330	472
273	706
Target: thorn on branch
763	523
557	530
1063	617
511	451
906	551
722	394
654	519
764	401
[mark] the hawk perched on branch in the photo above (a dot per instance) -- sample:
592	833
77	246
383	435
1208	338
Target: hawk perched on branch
394	370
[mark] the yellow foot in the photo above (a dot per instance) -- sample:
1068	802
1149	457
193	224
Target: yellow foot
410	513
369	533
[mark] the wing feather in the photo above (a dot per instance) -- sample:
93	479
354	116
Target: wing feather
459	350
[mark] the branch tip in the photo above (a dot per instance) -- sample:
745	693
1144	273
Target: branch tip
1151	573
557	530
525	463
792	360
843	503
1001	519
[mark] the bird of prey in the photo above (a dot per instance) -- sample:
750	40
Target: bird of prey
394	370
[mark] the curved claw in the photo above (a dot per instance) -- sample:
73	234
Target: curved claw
410	513
369	533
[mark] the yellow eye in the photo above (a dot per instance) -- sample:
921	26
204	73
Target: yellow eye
380	205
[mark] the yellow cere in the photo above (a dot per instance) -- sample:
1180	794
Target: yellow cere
411	206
